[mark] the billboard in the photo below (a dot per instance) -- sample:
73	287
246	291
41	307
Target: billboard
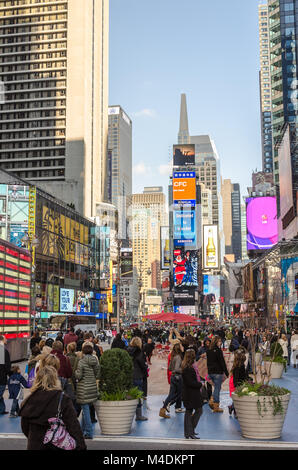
184	187
211	288
210	247
83	302
164	248
126	264
185	268
248	284
285	174
234	277
67	300
184	155
261	223
289	272
185	226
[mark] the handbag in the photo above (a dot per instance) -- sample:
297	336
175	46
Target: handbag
57	434
204	394
20	395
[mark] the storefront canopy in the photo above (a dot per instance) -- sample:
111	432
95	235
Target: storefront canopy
173	317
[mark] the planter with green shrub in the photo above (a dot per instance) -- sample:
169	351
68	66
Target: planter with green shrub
275	364
118	398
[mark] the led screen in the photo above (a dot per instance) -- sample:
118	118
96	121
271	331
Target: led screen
184	155
261	223
184	187
184	226
185	268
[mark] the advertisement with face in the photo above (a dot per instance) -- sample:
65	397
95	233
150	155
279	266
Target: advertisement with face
184	155
211	250
234	276
185	268
184	187
185	226
83	302
261	223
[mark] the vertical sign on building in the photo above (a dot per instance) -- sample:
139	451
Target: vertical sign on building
31	220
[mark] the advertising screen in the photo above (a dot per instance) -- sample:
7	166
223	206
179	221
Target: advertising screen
234	276
185	268
261	223
164	248
126	265
211	286
248	285
67	300
83	302
285	174
184	187
289	272
184	155
185	226
210	246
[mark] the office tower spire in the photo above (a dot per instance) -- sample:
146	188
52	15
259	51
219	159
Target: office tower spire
183	136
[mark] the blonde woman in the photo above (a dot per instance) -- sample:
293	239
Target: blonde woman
283	341
42	404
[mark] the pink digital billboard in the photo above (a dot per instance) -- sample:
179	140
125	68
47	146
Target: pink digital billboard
261	223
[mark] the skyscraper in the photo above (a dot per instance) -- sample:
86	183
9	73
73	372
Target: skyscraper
283	23
265	88
54	121
120	164
231	220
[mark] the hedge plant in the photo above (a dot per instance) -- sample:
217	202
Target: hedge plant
116	374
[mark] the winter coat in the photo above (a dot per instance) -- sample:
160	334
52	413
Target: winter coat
191	395
65	370
38	408
284	345
239	375
14	385
118	344
70	338
4	365
86	374
216	362
139	363
74	360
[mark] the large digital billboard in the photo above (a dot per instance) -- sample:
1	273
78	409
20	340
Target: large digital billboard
211	288
184	187
289	272
210	247
185	226
185	268
165	259
285	175
67	300
126	264
184	155
261	223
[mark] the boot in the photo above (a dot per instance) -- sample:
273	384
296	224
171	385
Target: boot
216	408
163	413
139	416
211	403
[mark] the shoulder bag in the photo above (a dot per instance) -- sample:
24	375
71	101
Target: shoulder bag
57	434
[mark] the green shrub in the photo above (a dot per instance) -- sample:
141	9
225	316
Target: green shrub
276	350
116	372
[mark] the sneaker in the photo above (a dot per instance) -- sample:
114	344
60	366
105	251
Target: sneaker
179	410
168	408
13	415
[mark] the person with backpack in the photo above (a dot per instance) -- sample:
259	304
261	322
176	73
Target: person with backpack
175	393
234	344
4	372
42	405
15	383
238	375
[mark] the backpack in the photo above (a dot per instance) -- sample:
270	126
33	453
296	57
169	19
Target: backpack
31	375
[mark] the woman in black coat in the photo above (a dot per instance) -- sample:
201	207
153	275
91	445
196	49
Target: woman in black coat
191	395
42	404
139	370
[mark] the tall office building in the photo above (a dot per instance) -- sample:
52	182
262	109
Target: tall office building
183	135
54	121
265	88
120	165
148	213
283	22
231	220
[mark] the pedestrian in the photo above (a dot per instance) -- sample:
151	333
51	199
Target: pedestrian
139	371
118	342
42	405
70	337
294	348
86	375
175	393
109	335
5	371
35	339
65	371
203	348
16	383
238	375
216	370
191	395
148	350
283	341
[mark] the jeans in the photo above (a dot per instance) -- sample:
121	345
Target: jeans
2	404
15	407
191	420
175	392
86	421
217	380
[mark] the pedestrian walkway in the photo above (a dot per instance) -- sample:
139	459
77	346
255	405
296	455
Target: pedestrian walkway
212	426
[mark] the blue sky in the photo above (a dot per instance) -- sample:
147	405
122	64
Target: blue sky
206	49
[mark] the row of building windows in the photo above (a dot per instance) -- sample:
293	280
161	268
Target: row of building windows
35	85
34	164
33	154
42	174
34	104
31	38
18	76
31	135
41	56
39	94
36	125
32	66
31	115
30	144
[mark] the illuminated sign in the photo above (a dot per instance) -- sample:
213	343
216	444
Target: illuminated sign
184	155
210	247
185	268
67	300
184	187
261	223
185	226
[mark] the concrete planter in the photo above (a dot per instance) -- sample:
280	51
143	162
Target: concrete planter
115	417
276	370
254	426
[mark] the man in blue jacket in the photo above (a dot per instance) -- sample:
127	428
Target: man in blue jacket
4	372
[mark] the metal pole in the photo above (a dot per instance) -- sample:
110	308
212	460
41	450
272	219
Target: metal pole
118	287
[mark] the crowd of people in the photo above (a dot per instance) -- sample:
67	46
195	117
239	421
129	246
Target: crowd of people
63	373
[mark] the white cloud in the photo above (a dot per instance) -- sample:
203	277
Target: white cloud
164	169
146	112
141	169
